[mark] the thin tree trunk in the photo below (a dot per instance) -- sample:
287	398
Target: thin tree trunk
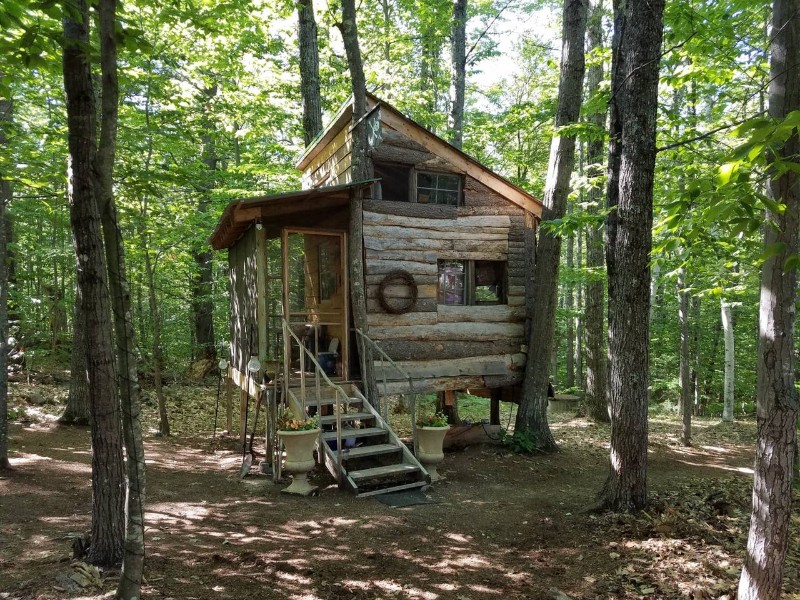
309	71
579	308
6	108
595	296
778	406
155	313
108	480
730	357
636	48
694	352
532	413
360	172
685	380
458	56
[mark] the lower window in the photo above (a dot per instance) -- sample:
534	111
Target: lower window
472	282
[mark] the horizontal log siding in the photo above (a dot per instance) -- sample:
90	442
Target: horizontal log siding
447	347
242	272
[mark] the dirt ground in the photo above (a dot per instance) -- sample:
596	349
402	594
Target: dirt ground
501	526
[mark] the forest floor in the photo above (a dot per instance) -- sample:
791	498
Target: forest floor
500	525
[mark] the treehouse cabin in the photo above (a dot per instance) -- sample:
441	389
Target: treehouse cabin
444	246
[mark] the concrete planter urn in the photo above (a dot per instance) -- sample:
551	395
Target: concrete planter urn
299	447
430	453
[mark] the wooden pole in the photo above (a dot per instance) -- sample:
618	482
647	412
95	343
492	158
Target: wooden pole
229	400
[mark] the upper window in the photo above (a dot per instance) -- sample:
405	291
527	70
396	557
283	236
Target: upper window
472	282
438	188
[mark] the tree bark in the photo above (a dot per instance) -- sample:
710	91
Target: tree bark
458	55
595	296
77	411
360	172
777	399
202	280
685	379
108	481
127	369
6	108
532	413
569	309
309	71
636	47
730	357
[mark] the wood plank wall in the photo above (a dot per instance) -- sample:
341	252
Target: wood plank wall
447	347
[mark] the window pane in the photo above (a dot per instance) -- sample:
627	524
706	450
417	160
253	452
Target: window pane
438	188
490	276
448	182
451	282
427	180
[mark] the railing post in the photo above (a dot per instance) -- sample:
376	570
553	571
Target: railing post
338	409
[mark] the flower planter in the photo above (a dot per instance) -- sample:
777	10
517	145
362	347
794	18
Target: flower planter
430	452
299	447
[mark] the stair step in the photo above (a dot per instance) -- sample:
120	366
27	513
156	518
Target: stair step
355	433
376	472
312	401
356	416
375	450
394	488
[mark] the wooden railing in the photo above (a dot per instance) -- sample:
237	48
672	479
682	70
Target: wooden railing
385	358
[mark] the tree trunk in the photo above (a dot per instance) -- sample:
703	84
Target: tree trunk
579	307
155	314
360	172
108	480
694	351
730	357
127	369
309	71
685	379
636	47
202	280
458	55
532	413
77	411
569	308
778	405
5	199
595	322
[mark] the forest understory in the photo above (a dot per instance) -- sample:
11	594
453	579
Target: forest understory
499	525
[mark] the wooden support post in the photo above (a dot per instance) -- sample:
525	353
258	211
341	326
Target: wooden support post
229	399
494	406
242	414
451	407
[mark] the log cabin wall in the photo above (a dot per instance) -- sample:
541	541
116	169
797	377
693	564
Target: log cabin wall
244	322
443	346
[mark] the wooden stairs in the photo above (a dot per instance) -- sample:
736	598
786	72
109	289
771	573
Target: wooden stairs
373	459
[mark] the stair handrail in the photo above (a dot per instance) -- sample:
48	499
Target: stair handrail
319	371
385	357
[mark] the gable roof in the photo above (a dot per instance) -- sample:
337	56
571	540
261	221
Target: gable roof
393	118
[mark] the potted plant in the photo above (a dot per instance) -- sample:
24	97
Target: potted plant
431	429
299	436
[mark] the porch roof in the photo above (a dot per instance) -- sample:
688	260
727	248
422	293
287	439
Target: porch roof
239	215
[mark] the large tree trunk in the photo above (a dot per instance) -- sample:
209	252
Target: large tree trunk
636	48
360	172
309	71
78	410
458	55
595	296
201	288
730	358
685	380
762	575
5	200
569	309
108	480
532	413
127	370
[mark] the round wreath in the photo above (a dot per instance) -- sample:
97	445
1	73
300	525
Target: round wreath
403	277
